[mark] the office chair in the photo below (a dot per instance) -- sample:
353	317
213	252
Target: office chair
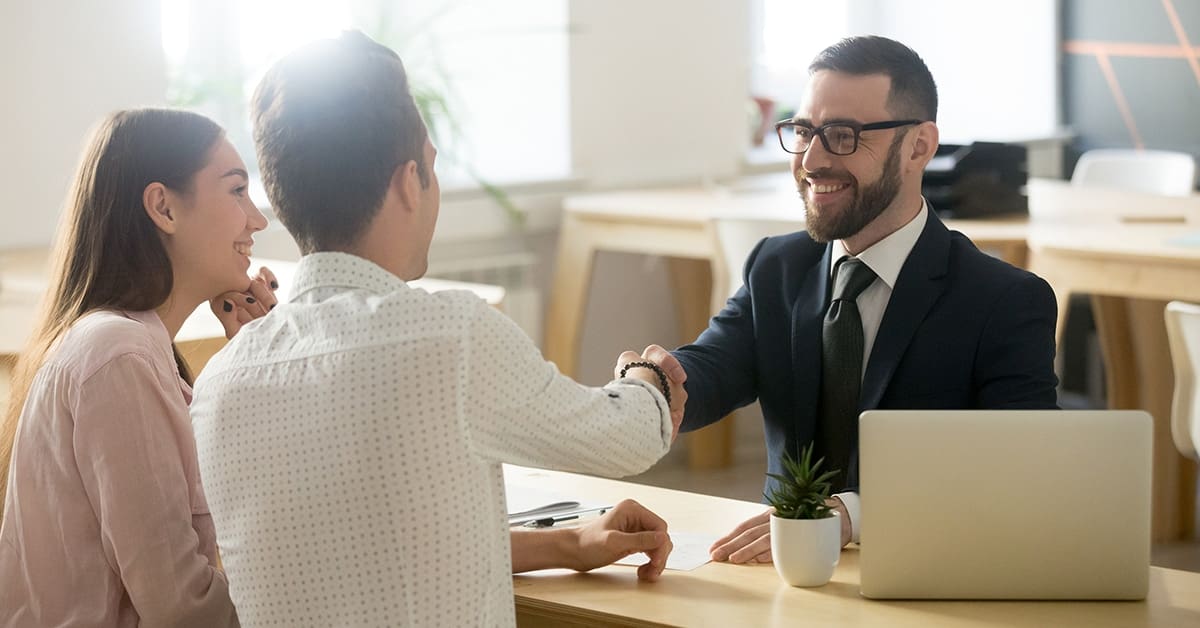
1183	334
1154	171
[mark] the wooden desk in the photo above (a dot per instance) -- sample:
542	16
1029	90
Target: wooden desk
677	223
23	282
720	594
1132	269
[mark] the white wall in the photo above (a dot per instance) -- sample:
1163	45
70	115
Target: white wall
995	63
654	88
64	65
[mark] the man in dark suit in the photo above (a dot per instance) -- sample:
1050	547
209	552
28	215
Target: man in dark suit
877	304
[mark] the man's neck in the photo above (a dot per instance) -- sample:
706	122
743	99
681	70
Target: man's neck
388	256
902	210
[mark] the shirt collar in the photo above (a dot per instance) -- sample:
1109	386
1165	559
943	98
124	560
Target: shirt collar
342	270
158	330
886	257
154	324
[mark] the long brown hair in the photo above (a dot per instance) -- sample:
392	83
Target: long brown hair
108	253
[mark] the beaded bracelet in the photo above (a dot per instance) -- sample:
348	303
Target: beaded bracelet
662	377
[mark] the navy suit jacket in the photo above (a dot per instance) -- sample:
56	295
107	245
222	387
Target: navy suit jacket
962	330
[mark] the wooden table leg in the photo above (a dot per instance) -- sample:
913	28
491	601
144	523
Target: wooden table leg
692	283
1141	377
1116	344
568	296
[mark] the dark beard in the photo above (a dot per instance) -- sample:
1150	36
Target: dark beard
868	204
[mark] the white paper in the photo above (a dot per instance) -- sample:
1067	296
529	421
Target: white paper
690	552
522	499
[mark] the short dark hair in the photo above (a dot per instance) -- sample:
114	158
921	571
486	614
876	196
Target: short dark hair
913	93
332	122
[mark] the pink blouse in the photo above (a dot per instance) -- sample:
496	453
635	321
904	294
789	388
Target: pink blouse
105	523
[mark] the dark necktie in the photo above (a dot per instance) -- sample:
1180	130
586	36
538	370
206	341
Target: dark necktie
841	368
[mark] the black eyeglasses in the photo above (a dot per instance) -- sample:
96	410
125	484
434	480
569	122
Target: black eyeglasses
839	138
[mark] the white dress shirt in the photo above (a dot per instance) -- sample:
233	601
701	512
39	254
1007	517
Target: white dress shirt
886	257
350	444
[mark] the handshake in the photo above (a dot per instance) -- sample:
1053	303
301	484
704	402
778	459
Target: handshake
672	387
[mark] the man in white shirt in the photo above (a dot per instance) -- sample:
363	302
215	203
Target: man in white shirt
350	442
877	304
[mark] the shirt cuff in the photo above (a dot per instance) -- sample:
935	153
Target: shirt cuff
854	509
664	411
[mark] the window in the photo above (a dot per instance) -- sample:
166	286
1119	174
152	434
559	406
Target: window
502	67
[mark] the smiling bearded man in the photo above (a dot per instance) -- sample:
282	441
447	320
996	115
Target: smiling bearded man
877	304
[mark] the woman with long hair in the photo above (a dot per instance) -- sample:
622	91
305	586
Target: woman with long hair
105	520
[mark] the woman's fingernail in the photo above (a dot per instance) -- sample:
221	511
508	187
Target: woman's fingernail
274	285
228	307
272	306
250	300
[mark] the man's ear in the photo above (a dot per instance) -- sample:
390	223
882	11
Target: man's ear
156	201
924	146
406	183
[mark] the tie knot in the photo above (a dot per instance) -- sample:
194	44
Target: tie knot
850	278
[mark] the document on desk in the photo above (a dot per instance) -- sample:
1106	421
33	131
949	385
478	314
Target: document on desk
529	506
690	552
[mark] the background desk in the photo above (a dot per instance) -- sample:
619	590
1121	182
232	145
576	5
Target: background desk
720	594
677	223
1132	270
23	282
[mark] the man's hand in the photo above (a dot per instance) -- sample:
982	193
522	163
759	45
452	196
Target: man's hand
836	504
235	309
675	378
627	529
750	542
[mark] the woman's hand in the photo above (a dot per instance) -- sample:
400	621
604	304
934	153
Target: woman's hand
235	309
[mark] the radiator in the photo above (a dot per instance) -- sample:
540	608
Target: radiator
512	271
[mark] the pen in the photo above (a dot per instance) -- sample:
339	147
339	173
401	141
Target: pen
550	521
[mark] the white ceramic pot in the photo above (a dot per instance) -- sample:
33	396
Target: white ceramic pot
805	551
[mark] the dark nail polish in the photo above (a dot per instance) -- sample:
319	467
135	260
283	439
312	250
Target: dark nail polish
272	306
274	285
228	307
250	300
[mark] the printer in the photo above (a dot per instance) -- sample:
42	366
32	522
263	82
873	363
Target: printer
976	180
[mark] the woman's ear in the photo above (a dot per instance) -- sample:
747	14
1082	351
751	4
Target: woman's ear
156	201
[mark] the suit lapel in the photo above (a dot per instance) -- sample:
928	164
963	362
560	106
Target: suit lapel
808	313
921	282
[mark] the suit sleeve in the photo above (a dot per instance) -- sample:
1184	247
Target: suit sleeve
1015	366
721	364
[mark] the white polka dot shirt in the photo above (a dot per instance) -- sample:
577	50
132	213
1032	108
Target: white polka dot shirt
350	445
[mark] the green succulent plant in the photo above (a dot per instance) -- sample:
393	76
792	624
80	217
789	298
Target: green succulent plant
802	490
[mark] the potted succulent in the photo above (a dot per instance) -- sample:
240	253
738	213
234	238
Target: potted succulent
806	534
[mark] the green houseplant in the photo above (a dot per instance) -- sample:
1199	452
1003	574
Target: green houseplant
806	534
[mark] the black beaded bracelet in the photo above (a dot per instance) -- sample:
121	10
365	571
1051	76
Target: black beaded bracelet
662	377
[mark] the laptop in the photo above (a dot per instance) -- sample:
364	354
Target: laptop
1005	504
